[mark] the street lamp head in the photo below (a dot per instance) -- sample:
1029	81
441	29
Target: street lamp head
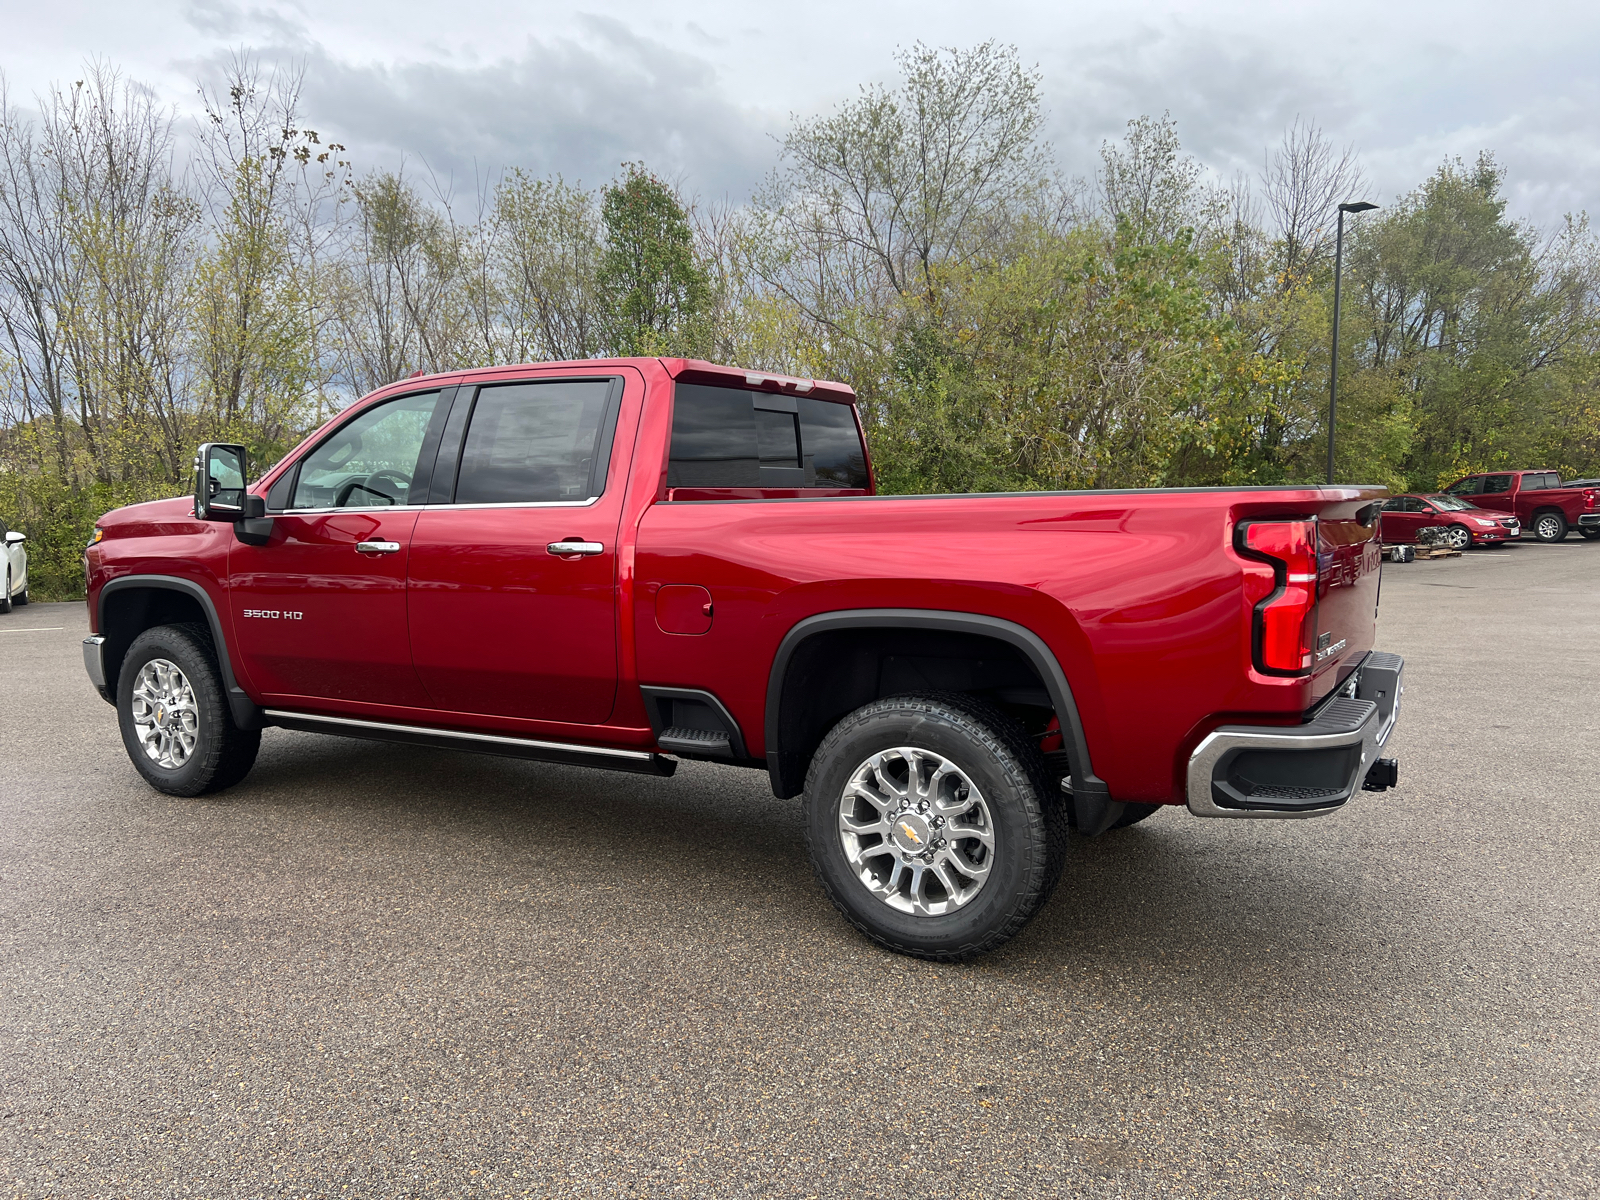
1358	206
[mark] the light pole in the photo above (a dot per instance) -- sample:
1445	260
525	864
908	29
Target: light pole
1356	206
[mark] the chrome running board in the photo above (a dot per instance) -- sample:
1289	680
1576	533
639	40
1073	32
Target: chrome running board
638	762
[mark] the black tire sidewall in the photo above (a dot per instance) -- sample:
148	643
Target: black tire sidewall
1021	868
185	649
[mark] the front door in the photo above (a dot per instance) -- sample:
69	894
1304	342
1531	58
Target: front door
319	612
513	577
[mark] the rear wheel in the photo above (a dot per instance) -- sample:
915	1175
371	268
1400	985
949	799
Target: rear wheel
933	824
21	597
5	596
174	716
1549	526
1590	535
1458	537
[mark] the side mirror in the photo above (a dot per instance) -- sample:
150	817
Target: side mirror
219	480
15	539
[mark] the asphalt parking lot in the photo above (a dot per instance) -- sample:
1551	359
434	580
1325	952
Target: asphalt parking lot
383	971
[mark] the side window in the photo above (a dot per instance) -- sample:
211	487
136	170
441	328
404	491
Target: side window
371	461
1415	504
537	442
1395	504
737	438
1469	486
1496	483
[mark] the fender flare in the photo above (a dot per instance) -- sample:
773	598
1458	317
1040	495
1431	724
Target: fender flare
247	714
1086	786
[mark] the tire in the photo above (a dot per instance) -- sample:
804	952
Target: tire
21	597
994	780
1549	526
1590	535
1458	537
1134	813
5	594
195	748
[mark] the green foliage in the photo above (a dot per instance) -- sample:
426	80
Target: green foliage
1002	329
653	289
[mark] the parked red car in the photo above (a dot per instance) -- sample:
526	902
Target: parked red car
1467	525
1536	498
624	563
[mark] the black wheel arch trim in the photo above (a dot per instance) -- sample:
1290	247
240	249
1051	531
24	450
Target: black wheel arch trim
247	714
1086	786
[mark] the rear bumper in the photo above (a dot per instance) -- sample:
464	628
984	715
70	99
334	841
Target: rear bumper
1589	520
1275	771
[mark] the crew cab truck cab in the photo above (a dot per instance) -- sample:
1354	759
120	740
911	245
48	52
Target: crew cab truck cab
624	563
1537	499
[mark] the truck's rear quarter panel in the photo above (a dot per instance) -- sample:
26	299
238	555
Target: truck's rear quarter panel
1141	597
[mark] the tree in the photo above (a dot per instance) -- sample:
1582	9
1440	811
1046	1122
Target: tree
651	285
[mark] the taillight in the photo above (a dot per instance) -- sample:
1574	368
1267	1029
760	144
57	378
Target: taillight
1283	623
1589	495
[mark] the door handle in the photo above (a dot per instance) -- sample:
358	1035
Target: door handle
377	547
573	547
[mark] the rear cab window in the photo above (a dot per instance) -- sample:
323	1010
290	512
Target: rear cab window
728	442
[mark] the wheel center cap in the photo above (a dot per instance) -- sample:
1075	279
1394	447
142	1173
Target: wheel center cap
912	832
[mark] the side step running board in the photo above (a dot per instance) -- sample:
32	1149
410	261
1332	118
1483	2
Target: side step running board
679	740
638	762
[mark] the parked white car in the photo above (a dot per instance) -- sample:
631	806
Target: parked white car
14	556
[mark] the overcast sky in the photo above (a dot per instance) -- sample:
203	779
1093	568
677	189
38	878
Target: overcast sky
698	89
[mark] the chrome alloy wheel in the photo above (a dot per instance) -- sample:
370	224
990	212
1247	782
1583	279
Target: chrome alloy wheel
1459	537
916	831
1547	526
164	713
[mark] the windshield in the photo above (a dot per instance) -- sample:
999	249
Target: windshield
1449	503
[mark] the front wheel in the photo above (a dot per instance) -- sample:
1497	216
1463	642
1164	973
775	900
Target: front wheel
1458	537
933	824
174	716
5	596
1549	526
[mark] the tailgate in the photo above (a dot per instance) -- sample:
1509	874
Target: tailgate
1348	560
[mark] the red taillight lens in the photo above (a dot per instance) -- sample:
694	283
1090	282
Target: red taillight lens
1589	496
1284	626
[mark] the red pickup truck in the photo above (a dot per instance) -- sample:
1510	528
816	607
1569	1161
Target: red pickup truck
1537	499
622	563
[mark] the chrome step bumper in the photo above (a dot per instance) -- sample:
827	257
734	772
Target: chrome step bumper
1276	771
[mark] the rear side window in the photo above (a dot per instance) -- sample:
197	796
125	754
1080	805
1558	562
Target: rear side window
1496	483
1532	483
537	442
736	438
1470	486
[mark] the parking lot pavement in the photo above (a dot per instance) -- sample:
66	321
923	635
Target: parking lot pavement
382	971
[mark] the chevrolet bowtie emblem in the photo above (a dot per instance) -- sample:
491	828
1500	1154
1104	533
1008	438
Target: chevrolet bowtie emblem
910	833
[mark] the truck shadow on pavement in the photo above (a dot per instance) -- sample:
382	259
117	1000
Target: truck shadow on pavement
1174	892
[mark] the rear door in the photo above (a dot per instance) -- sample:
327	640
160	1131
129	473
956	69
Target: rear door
513	569
1402	517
